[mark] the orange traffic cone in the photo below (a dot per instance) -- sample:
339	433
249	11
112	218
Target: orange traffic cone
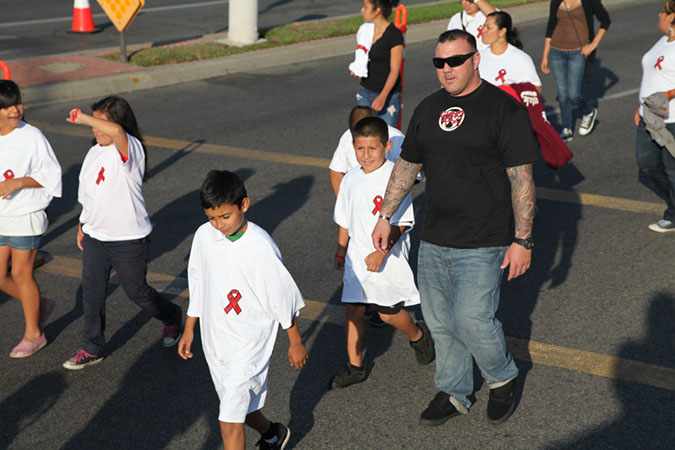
83	22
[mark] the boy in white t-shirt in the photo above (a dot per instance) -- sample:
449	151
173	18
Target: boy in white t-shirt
472	19
371	280
242	292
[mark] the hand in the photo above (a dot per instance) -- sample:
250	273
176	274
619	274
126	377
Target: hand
75	116
380	236
587	49
518	258
185	344
637	116
374	261
353	75
297	356
339	264
8	187
80	236
379	102
544	65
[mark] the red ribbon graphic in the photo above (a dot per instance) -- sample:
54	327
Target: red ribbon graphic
377	201
100	176
480	32
658	62
361	47
234	296
501	76
9	174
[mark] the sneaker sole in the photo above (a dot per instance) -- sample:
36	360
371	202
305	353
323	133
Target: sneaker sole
505	417
658	229
282	446
334	386
81	366
29	354
437	422
172	343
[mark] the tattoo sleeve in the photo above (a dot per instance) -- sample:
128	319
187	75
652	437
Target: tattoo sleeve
522	198
400	183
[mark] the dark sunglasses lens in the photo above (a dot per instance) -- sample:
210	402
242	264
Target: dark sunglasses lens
452	61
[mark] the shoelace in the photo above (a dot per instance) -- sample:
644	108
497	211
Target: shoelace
81	354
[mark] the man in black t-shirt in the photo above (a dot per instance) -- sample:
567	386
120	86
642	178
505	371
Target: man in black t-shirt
477	147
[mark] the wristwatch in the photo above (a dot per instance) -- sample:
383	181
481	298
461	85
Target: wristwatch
527	243
382	216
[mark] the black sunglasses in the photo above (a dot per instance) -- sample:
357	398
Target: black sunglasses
453	61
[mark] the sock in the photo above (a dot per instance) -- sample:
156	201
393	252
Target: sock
270	436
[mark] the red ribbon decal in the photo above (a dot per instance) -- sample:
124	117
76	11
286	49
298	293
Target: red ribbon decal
234	296
480	32
100	176
361	47
377	201
501	76
9	174
658	62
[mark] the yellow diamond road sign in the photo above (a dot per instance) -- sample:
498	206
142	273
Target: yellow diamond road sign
121	12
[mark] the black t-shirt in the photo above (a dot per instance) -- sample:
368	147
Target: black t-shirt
380	60
465	145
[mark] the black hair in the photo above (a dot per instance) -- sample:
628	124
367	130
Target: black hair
372	127
453	35
119	111
359	112
503	20
385	6
10	95
222	187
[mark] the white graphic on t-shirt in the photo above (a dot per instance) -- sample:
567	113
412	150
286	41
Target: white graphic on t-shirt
391	110
529	98
451	118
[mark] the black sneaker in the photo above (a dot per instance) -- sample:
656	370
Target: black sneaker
424	346
347	376
283	436
440	409
173	332
502	402
81	359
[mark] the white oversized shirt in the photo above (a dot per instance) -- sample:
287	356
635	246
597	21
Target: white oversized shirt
25	152
111	194
241	292
357	210
473	25
658	73
511	67
344	157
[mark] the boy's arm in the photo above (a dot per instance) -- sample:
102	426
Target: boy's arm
343	242
8	187
185	343
335	180
297	355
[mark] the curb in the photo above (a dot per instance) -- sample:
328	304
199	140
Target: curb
162	76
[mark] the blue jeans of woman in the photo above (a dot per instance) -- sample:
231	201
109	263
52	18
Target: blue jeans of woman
658	165
568	70
459	290
391	109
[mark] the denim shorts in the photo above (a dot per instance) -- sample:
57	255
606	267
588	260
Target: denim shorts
20	242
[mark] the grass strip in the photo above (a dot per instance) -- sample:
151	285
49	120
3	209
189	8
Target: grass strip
291	34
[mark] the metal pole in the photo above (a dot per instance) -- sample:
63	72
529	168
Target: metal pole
243	22
123	48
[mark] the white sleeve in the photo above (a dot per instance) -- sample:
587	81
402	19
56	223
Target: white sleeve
281	298
340	162
136	159
405	214
195	279
47	170
341	212
455	22
529	68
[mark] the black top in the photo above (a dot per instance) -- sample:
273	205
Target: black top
380	60
465	145
591	8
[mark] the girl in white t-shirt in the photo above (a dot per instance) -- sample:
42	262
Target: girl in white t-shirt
504	61
114	226
30	176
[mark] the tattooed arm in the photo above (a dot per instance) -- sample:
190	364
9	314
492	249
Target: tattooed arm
400	183
523	200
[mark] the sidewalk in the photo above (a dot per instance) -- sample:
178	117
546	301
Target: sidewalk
67	77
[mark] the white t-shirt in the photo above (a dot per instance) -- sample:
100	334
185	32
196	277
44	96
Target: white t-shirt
241	292
473	25
357	210
658	72
111	194
25	152
512	66
344	158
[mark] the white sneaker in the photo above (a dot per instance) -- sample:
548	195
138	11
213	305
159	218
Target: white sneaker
587	122
662	226
566	135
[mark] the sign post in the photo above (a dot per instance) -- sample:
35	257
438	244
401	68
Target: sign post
121	14
401	22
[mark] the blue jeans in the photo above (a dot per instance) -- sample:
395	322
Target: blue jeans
568	70
20	242
391	110
659	167
459	289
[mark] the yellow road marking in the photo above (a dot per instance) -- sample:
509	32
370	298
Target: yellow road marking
536	352
600	201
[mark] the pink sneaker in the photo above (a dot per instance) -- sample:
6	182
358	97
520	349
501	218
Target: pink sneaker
46	310
27	348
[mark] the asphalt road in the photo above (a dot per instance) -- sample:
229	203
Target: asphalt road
601	282
31	28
